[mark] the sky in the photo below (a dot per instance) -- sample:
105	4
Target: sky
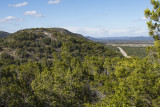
95	18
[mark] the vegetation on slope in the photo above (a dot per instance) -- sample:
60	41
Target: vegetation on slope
40	44
70	82
50	67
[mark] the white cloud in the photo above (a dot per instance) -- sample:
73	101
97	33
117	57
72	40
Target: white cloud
105	32
9	18
33	13
54	2
18	5
143	18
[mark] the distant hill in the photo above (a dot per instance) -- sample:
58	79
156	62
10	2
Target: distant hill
3	34
40	43
140	38
92	38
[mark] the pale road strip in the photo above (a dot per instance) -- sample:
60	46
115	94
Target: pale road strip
123	52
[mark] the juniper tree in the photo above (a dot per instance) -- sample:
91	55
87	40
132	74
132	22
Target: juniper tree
154	19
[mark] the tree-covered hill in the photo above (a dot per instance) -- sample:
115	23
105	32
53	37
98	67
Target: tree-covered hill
47	67
39	44
72	71
3	34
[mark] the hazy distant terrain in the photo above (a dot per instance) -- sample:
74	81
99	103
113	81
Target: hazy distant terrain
3	34
123	40
140	38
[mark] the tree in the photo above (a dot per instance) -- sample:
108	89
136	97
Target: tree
154	21
154	29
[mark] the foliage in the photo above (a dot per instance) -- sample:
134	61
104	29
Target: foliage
93	82
39	43
153	16
72	71
132	82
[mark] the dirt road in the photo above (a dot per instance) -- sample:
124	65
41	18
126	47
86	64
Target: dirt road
123	52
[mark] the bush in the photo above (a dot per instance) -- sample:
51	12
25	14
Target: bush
5	56
47	41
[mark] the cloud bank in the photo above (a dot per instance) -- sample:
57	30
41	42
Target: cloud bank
54	2
18	5
8	19
33	13
105	32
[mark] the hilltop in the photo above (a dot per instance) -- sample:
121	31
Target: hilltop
39	44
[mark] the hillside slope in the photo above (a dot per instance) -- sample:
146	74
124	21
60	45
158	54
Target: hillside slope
82	73
39	44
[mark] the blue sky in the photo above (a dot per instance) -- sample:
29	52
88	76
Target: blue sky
96	18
